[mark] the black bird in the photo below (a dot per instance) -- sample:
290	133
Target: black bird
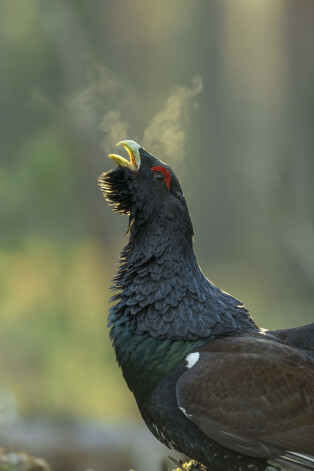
208	381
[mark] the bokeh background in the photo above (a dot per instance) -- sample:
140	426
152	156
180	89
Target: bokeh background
223	91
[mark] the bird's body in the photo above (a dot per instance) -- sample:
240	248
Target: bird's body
207	380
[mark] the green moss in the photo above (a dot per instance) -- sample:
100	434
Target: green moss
191	466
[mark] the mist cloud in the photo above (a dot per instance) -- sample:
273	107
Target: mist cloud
107	97
166	133
114	128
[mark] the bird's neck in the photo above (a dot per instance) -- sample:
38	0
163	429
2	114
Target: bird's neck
162	291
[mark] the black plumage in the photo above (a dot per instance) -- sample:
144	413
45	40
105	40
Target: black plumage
208	381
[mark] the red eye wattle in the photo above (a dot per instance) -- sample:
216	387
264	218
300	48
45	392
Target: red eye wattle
162	170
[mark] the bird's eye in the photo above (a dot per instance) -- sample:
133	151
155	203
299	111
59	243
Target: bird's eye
159	177
162	174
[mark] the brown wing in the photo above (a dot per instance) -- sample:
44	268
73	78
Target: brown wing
253	395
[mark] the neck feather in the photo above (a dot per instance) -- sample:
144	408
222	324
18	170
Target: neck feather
162	291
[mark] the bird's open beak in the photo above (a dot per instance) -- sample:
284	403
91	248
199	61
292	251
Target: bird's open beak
133	150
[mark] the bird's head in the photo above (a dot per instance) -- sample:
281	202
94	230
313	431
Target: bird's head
143	187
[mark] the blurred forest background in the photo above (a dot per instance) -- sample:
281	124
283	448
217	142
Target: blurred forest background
223	91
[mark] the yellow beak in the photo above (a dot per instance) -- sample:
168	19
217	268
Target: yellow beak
132	149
